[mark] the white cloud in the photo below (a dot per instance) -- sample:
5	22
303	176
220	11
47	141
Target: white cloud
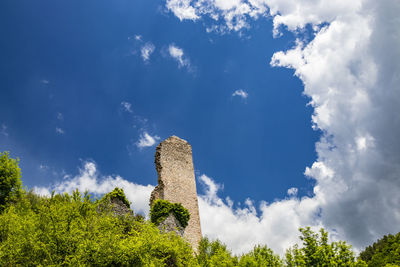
292	191
3	130
355	98
90	180
177	53
147	50
241	93
146	140
44	81
138	37
127	106
182	9
233	13
351	72
241	228
59	130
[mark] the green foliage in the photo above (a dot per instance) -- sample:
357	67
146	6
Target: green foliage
384	252
162	208
117	193
316	251
215	253
260	256
68	230
10	180
76	230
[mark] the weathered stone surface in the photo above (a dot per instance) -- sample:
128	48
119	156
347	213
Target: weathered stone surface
118	208
171	224
176	182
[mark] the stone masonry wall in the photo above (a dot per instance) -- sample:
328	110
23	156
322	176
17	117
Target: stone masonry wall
176	182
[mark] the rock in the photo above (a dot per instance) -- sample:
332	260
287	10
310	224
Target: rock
171	224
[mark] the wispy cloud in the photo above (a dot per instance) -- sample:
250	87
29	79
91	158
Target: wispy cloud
3	130
146	51
146	140
177	53
60	116
43	167
241	93
127	106
59	130
44	81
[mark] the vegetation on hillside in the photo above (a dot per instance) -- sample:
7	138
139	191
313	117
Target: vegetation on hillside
384	252
80	230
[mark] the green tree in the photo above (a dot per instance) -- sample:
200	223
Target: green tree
71	230
214	253
10	180
317	251
260	256
384	252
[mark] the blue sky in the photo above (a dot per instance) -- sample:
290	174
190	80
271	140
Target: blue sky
265	92
70	65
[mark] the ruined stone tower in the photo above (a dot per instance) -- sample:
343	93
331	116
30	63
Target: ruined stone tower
176	182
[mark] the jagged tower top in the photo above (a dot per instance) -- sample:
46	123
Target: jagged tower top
173	151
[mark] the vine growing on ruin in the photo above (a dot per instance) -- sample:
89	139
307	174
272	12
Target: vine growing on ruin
161	209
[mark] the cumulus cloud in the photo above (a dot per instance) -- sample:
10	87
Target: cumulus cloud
127	106
355	98
177	53
241	93
241	228
90	180
146	51
351	72
146	140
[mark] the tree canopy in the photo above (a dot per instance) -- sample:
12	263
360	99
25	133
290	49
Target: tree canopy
10	180
82	230
384	252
